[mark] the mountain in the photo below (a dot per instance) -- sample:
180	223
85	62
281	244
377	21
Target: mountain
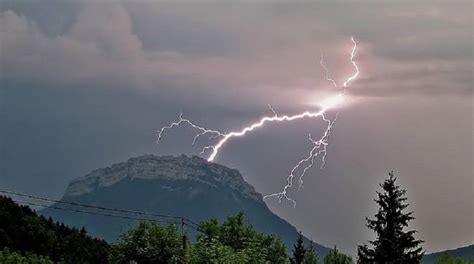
183	186
465	253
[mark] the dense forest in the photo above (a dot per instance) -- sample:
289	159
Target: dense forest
26	237
23	231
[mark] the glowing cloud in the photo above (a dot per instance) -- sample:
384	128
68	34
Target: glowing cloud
319	146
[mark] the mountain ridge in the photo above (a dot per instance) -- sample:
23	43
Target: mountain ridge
165	167
184	186
465	253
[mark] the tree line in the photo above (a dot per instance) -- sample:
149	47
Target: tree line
23	231
26	237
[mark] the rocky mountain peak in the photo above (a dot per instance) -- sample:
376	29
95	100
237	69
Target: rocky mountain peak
164	168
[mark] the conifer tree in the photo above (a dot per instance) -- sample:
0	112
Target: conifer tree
393	245
298	251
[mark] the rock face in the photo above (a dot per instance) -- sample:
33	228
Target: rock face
182	186
150	167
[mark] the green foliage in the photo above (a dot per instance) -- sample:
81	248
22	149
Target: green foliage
211	250
393	244
276	250
336	257
7	257
235	242
22	230
446	259
148	243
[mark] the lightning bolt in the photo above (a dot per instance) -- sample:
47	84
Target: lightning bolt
326	71
181	120
354	64
319	147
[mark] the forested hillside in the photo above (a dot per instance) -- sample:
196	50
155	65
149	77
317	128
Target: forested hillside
23	231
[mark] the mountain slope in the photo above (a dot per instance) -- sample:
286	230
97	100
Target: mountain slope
183	186
465	253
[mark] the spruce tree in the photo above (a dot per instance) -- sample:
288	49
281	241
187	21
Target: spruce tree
393	245
298	251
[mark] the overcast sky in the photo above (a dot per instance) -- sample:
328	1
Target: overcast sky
87	83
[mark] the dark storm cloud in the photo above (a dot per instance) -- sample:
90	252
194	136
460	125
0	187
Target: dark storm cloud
247	46
85	84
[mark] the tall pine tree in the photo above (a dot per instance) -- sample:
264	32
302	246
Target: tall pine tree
393	245
298	251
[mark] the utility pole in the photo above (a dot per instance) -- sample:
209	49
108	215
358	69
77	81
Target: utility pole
185	242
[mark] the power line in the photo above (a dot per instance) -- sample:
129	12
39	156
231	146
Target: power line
89	206
185	220
95	213
176	222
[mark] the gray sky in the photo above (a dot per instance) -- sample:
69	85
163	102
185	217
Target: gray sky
86	84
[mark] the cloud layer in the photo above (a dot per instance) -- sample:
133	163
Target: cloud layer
405	49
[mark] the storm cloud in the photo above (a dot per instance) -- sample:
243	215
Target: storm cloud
87	83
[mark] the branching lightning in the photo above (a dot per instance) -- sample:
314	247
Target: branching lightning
203	131
326	71
319	147
354	64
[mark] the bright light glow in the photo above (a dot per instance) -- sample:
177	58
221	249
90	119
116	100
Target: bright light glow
319	148
332	102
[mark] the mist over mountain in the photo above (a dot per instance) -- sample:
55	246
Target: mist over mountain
182	186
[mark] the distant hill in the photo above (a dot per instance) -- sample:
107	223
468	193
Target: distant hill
465	253
23	231
183	186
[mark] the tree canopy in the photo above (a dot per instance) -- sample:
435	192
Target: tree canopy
148	242
235	242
